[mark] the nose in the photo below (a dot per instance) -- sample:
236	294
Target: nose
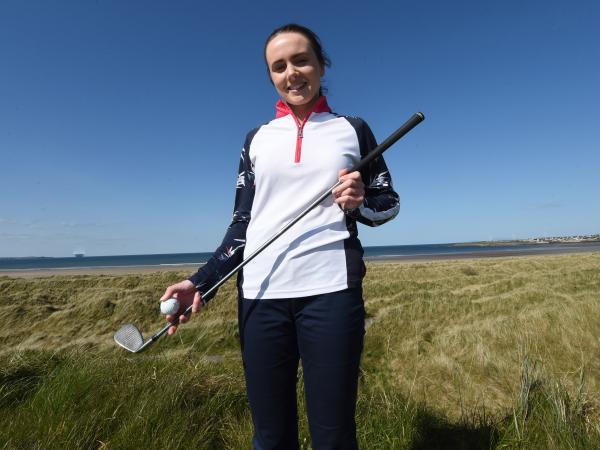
291	71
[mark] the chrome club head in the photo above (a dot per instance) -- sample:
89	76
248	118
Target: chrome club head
130	338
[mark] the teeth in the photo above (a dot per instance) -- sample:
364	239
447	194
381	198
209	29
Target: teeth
296	87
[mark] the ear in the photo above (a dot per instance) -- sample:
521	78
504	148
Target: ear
322	71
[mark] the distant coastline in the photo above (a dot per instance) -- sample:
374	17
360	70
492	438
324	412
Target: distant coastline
539	240
575	239
189	262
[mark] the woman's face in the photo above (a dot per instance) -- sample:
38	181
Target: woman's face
295	70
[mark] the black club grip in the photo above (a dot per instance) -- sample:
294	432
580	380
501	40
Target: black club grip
415	120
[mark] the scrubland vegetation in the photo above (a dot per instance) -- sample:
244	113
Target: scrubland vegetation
466	354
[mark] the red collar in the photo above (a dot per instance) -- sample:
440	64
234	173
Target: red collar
283	109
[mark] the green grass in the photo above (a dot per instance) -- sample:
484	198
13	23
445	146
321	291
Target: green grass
469	354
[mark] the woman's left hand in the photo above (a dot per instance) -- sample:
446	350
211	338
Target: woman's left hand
351	193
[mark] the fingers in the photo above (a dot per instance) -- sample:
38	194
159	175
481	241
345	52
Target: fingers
343	175
171	318
185	286
350	180
197	304
169	292
351	192
176	321
350	201
183	318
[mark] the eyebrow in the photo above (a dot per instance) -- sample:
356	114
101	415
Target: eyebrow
293	56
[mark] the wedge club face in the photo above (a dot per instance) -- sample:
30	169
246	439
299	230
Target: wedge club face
130	338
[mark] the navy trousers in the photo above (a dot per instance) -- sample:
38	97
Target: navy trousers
324	331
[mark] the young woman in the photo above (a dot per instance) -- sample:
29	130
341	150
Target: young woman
301	298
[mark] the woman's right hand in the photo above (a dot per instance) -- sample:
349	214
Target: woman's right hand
186	293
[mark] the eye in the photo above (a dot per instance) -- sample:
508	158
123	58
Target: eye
301	61
278	68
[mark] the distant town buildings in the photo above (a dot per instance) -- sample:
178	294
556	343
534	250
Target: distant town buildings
564	239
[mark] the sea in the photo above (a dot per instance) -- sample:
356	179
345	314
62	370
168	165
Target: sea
397	252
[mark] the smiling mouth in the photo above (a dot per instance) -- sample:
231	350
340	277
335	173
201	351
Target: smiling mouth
297	87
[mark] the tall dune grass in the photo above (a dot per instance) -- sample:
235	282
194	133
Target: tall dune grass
471	354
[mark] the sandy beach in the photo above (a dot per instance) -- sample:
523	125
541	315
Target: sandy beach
121	270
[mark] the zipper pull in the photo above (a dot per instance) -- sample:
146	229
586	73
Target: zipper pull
300	132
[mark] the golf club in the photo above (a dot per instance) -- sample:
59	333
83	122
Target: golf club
131	339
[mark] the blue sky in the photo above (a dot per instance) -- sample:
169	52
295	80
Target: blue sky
121	122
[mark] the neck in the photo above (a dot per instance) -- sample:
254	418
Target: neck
301	111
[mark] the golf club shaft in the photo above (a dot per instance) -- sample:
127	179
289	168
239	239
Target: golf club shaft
393	138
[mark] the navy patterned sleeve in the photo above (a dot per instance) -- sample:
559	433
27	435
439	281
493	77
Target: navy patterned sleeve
230	253
381	202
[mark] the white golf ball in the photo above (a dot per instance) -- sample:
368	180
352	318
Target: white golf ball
169	306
